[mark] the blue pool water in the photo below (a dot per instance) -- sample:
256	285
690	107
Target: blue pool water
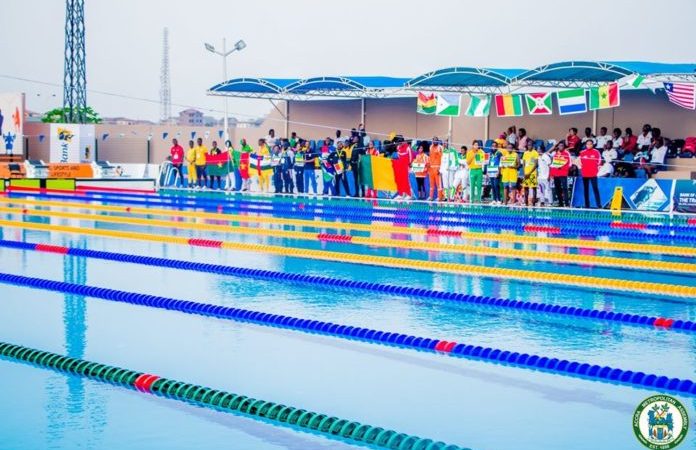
470	403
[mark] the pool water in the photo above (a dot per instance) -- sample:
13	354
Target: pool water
465	402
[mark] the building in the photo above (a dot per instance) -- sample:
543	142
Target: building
190	117
125	121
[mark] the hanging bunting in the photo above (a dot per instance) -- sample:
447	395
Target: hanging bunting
41	137
207	134
220	134
193	134
104	136
164	135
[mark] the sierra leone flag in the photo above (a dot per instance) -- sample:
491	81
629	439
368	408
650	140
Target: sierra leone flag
539	104
480	106
571	101
448	105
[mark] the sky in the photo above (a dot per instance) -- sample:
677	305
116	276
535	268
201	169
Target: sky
302	38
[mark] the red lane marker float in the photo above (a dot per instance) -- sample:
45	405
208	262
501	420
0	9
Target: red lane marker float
144	382
52	248
691	221
629	226
436	232
445	346
334	237
541	229
113	189
663	322
205	243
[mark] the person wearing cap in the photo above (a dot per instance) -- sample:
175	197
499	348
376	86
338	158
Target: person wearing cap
435	157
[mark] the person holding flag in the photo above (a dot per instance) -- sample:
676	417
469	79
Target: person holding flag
341	165
310	177
461	175
328	160
475	160
201	151
260	162
240	161
231	178
216	165
404	158
371	151
448	168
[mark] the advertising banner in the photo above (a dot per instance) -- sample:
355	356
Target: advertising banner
71	143
638	193
11	123
685	196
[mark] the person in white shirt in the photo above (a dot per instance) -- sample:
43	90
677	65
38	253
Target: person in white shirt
657	156
512	136
602	138
338	139
645	138
617	140
543	171
271	139
609	155
589	137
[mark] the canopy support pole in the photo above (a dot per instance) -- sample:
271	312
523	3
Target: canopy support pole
362	112
486	128
449	131
287	119
594	121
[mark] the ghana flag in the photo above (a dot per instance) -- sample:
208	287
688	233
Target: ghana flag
377	173
218	165
427	104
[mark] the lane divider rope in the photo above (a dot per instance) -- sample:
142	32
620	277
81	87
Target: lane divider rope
556	366
274	413
340	283
507	253
376	228
384	261
429	221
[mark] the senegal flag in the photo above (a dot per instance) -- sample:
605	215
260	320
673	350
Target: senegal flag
377	173
427	104
218	165
605	96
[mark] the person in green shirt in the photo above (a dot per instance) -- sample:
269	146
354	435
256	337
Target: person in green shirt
475	159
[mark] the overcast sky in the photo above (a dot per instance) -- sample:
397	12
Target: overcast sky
299	38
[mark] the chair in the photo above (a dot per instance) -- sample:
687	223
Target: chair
487	146
538	143
15	170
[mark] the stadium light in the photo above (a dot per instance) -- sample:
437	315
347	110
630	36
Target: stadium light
239	45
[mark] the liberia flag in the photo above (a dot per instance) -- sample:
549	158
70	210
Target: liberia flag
682	94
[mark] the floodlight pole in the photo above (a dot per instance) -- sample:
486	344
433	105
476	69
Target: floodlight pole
240	45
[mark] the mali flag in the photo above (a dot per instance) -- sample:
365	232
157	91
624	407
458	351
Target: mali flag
605	96
377	173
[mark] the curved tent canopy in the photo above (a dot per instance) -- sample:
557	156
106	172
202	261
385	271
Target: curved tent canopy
464	79
571	74
345	86
662	71
253	87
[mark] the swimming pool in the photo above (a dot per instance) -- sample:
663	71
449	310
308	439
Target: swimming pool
470	402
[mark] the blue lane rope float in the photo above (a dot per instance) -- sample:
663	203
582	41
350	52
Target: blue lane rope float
322	281
275	413
617	230
556	366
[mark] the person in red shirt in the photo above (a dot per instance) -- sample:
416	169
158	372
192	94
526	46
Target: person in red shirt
560	166
630	141
572	139
590	160
177	158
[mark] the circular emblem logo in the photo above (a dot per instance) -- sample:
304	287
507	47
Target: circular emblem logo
660	422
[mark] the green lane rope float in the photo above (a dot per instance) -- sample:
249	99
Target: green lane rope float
275	413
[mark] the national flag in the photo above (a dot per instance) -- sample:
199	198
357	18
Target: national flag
539	104
328	171
682	94
480	106
218	165
508	105
401	177
637	81
244	165
377	173
604	96
426	103
571	101
448	105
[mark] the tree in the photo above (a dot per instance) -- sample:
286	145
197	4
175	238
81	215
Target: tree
59	115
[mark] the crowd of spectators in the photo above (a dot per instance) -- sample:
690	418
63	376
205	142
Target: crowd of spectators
513	169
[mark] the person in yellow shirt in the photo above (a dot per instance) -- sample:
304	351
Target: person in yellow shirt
201	151
475	159
191	165
263	167
530	160
509	163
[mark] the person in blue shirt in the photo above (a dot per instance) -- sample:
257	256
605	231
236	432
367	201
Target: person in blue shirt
493	173
310	164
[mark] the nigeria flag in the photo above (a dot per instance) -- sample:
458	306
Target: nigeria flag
480	106
448	105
